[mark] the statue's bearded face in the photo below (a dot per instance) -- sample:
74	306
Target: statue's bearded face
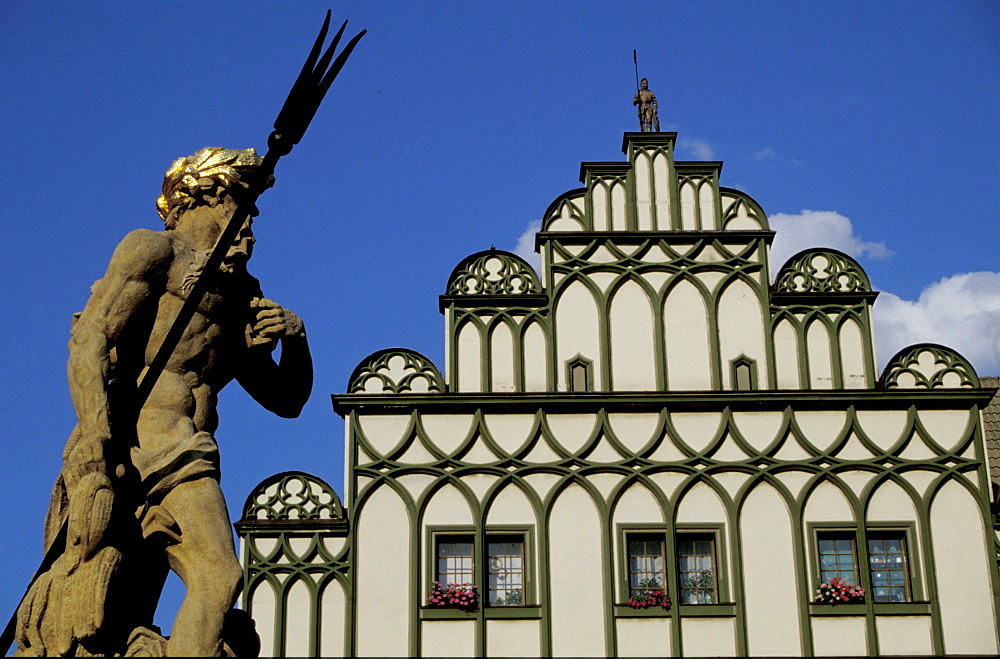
645	83
242	247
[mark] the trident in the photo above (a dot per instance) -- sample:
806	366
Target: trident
300	107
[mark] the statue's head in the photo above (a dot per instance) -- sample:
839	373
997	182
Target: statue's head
644	83
205	179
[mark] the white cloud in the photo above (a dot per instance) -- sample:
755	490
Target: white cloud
699	149
818	229
961	312
525	247
770	154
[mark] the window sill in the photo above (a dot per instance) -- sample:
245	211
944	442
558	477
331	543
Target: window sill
902	608
707	610
513	612
445	613
626	611
881	609
837	609
490	612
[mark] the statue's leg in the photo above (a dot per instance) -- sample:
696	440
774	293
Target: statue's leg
205	560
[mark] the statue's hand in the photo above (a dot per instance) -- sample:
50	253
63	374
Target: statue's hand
87	457
272	322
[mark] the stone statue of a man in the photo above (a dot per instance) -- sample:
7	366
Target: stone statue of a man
646	100
140	487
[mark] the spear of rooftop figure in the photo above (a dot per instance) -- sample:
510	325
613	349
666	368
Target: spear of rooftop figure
635	61
300	107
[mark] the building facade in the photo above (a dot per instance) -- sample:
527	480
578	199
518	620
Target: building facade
654	417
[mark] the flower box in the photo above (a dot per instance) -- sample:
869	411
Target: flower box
839	591
462	596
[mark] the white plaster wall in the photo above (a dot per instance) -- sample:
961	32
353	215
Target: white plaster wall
827	503
947	427
708	637
384	431
700	504
685	320
696	429
891	503
904	635
333	620
575	569
839	636
633	430
643	192
469	359
637	505
447	506
852	356
818	347
741	330
298	620
262	609
618	207
661	179
513	638
769	567
502	359
599	198
883	427
446	432
706	204
382	573
759	429
633	358
643	637
786	355
968	616
821	428
577	331
448	638
688	220
510	506
572	431
535	362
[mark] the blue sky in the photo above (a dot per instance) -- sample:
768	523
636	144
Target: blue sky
870	127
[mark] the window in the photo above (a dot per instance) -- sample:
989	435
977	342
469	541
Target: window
887	562
455	559
696	568
506	570
503	568
836	556
744	373
887	579
578	374
645	563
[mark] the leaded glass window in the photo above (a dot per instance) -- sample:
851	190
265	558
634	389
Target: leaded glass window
696	569
505	561
887	561
645	563
454	560
837	557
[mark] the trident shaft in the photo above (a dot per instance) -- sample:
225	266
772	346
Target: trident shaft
298	111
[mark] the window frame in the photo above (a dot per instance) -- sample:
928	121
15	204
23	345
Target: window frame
698	534
911	560
843	532
723	602
480	557
587	364
911	557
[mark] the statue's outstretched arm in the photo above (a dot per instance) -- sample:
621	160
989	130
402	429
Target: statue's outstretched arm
281	388
143	254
